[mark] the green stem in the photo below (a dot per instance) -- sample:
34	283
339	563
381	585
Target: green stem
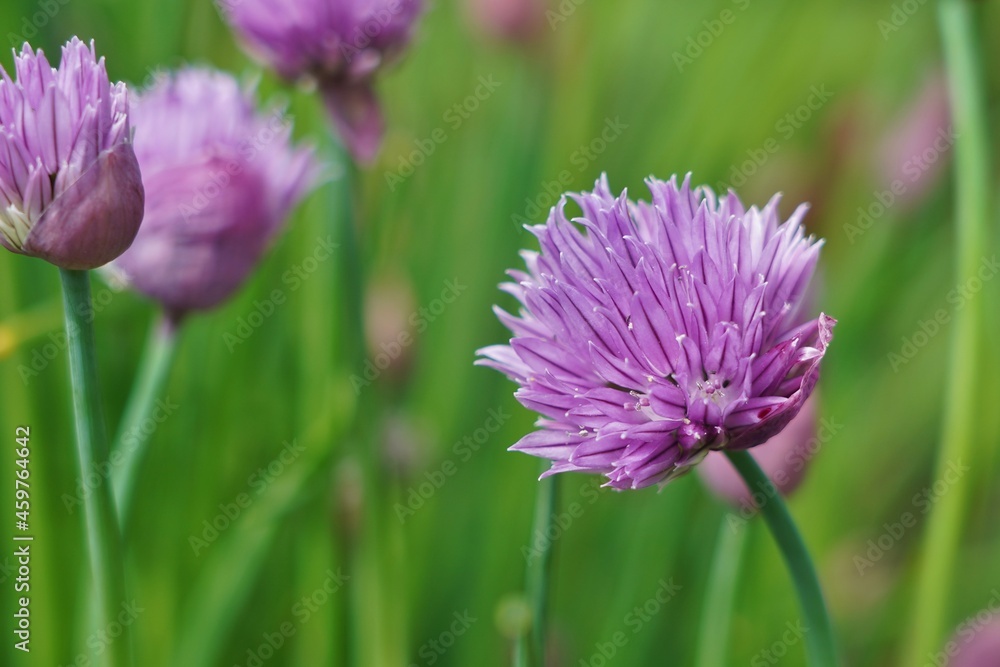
958	20
539	569
103	540
717	614
227	578
357	601
375	625
133	439
352	266
819	636
521	652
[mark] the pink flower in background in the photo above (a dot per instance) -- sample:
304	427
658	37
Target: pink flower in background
918	146
341	44
784	459
221	178
976	643
508	20
70	188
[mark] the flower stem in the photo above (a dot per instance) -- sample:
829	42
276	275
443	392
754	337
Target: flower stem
103	539
375	623
717	614
353	273
359	600
958	20
819	636
152	373
521	652
539	568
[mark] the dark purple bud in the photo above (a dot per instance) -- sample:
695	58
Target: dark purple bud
357	116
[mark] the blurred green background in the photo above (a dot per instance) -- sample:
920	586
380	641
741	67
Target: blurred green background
461	551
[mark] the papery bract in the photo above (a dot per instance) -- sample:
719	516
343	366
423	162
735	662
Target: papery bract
70	188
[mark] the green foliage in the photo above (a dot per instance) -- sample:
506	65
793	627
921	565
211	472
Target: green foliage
453	219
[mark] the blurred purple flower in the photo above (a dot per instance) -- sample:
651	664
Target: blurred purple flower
977	642
70	189
784	459
339	43
660	331
508	20
914	153
220	179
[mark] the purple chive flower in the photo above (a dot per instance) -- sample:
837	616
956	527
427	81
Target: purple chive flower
914	153
220	177
784	459
508	20
70	189
976	643
339	43
652	333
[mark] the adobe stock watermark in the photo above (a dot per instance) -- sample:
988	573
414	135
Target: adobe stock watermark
913	169
542	540
431	651
154	77
257	483
99	473
462	452
301	612
922	502
101	640
561	13
418	321
958	297
292	280
900	14
454	117
30	25
43	355
697	44
581	158
785	128
635	621
773	654
967	631
795	462
277	126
